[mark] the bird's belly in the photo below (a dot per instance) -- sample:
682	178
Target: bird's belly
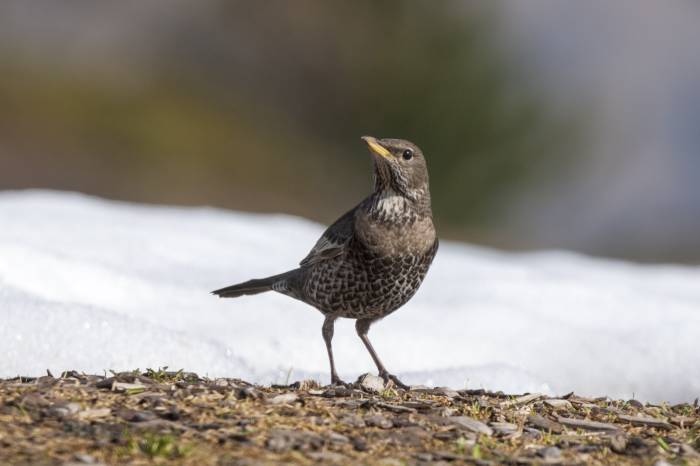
360	284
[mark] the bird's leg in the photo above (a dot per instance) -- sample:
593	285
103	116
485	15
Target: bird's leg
362	327
328	325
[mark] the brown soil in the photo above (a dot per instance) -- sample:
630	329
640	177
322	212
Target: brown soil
179	418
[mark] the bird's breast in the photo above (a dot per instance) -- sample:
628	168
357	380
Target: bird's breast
413	237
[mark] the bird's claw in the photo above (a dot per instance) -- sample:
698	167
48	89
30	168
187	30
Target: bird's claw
386	377
338	382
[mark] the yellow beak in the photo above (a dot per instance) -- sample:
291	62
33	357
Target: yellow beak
376	148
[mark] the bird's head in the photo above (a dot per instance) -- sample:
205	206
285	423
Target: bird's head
399	166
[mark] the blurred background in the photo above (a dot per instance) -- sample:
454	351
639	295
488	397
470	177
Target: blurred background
547	124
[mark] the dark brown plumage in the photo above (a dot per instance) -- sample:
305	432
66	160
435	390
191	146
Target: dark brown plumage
373	259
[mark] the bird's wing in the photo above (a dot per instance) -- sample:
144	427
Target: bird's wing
333	241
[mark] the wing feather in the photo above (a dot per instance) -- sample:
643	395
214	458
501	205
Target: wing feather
333	241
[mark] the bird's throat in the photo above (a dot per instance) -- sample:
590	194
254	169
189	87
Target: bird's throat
392	202
382	176
391	207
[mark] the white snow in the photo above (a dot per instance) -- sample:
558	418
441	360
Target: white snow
93	285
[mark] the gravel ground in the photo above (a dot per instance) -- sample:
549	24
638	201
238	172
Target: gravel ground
161	417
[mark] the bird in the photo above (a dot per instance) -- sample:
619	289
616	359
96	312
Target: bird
373	259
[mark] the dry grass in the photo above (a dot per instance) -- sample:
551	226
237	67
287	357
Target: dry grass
179	418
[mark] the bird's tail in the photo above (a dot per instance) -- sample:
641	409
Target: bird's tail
258	285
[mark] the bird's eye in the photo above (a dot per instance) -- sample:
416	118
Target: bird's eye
407	154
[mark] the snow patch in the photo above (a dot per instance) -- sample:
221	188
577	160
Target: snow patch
93	285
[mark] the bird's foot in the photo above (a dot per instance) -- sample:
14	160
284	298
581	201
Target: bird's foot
386	377
338	382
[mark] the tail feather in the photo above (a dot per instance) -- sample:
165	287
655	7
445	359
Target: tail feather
255	286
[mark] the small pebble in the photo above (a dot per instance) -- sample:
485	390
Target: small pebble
285	398
371	383
378	421
549	453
